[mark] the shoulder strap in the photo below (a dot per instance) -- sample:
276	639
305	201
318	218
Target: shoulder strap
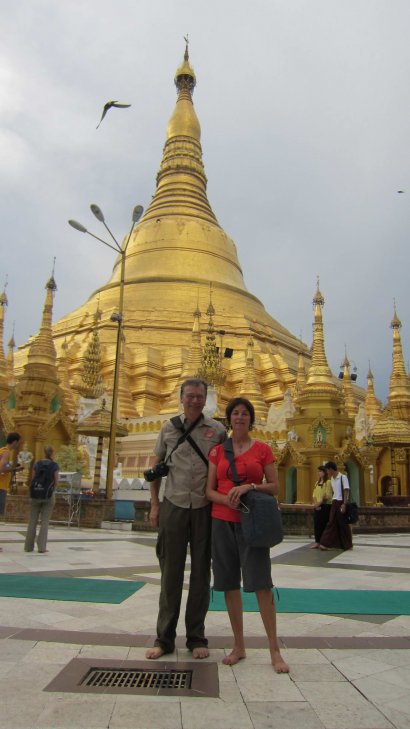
176	422
229	454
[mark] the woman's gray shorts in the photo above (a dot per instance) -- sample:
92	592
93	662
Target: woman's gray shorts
230	556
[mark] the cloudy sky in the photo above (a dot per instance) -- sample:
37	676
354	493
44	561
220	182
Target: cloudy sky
304	108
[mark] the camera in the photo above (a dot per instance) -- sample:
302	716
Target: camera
160	470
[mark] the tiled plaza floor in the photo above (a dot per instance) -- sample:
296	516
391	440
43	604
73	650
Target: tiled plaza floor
347	672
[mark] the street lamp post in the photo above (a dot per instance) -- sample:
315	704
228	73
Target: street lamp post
116	317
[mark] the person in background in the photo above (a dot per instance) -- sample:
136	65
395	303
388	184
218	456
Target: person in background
254	463
8	467
337	533
42	508
322	500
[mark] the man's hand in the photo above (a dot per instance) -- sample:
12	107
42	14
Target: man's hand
154	515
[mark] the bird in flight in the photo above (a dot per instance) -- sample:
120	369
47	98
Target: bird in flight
108	106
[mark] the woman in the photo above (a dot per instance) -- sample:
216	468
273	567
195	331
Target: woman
322	499
254	461
42	507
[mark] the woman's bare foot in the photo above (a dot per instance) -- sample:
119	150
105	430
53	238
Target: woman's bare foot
278	663
155	652
236	655
314	546
200	652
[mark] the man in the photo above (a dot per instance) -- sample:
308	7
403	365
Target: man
184	518
337	533
7	467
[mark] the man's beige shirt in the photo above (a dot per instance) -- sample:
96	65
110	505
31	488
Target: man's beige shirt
186	480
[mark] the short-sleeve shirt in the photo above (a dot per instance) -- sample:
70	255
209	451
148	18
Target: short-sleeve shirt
186	479
250	467
337	486
321	490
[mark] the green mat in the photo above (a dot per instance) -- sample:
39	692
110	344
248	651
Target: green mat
353	602
38	587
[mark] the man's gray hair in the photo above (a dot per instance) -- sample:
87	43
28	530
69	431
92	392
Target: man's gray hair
194	382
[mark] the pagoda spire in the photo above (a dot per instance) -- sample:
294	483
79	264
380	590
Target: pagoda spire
42	351
4	388
10	360
194	360
211	366
371	403
181	180
399	390
92	385
63	371
348	388
319	371
250	387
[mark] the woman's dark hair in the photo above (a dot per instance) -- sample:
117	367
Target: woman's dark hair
323	471
240	401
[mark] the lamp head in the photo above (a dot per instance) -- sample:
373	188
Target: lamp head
96	210
77	226
136	213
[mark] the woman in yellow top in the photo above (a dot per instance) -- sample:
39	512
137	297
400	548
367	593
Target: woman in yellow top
322	500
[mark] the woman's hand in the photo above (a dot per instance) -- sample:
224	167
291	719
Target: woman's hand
235	494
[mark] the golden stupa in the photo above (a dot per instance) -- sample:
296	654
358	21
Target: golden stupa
177	253
185	306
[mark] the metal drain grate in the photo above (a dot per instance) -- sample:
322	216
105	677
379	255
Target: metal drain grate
164	678
137	679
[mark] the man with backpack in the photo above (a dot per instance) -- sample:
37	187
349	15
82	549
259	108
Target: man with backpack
42	500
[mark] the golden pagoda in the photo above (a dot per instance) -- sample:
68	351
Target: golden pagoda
175	252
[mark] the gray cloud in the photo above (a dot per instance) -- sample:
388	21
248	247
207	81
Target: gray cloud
304	108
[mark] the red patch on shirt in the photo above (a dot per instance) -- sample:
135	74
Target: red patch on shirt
209	433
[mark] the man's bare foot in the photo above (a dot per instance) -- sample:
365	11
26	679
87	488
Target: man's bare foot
324	549
314	546
155	652
236	655
200	652
278	663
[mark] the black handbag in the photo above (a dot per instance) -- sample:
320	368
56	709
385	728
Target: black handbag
261	520
352	512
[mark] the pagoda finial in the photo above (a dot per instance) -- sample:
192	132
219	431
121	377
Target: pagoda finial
348	388
399	389
371	403
185	80
42	350
250	387
211	368
3	295
319	371
92	385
